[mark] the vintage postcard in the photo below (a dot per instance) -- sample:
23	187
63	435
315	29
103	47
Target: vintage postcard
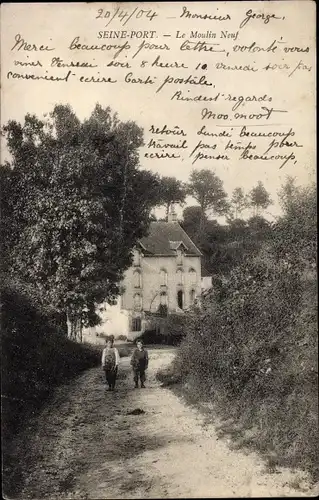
158	227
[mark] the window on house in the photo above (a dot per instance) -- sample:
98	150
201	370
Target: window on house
162	308
163	299
180	277
137	258
192	276
192	295
136	325
137	301
163	274
137	279
180	299
179	256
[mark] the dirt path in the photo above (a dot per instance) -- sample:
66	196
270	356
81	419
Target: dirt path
86	445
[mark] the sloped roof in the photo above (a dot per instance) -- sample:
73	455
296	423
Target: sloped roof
162	235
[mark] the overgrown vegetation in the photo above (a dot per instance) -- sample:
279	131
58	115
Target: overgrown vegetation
36	356
168	330
251	346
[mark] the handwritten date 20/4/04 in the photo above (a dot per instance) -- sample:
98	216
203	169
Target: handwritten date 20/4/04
124	16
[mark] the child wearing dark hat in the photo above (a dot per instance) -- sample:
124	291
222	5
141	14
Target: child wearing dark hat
139	362
110	362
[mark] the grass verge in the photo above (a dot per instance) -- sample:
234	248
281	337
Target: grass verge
281	434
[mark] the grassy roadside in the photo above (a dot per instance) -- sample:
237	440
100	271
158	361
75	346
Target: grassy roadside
36	358
246	424
250	348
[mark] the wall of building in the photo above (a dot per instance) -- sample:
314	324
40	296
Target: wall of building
152	282
118	319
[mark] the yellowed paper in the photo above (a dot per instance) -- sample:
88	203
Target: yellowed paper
224	86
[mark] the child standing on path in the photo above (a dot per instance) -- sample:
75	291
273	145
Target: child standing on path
139	362
110	362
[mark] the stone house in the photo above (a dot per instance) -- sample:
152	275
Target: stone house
165	275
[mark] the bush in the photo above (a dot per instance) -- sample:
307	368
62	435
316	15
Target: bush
174	329
167	331
172	374
253	343
122	337
36	357
124	351
150	337
154	337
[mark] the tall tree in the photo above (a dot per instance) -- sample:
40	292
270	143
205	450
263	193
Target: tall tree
78	204
295	233
207	189
238	202
192	217
259	198
171	191
288	193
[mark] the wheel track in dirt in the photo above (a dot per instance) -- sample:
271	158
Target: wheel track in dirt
85	445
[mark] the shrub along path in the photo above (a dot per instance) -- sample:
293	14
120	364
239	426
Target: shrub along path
86	444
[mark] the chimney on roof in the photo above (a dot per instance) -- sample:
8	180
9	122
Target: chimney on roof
172	216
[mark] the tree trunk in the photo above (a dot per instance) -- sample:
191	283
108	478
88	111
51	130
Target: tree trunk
74	326
201	223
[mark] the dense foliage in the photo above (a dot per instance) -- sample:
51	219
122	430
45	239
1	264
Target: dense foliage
36	356
259	198
167	330
171	191
70	217
225	246
251	346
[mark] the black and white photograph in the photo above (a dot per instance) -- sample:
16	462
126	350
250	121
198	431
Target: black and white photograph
159	327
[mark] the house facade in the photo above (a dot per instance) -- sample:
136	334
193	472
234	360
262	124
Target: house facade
165	276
